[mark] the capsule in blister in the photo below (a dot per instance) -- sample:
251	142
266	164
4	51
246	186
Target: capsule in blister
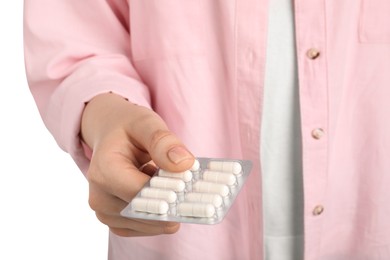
154	206
210	187
186	176
204	199
225	166
167	183
201	210
156	193
219	177
210	198
196	166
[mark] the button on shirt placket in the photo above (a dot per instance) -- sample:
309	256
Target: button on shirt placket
311	51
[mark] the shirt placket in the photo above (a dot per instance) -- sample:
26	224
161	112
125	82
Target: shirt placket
310	21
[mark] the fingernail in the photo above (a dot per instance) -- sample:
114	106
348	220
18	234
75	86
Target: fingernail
179	154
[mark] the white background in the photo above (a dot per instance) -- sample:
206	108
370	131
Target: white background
44	212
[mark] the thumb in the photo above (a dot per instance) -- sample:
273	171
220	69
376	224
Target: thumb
169	153
150	132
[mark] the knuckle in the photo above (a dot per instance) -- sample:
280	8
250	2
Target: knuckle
96	177
93	201
96	199
158	136
102	218
92	176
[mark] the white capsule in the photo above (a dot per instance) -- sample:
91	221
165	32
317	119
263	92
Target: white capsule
219	177
225	166
210	198
195	167
167	183
154	206
155	193
210	187
201	210
186	176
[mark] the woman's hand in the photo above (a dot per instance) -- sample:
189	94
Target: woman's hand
126	140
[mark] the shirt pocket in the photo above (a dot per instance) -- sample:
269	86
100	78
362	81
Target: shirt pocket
374	24
164	29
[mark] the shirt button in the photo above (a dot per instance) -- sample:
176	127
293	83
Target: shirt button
318	210
313	53
317	133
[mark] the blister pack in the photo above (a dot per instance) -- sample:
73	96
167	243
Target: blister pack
201	195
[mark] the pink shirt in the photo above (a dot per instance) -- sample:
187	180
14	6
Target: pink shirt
200	65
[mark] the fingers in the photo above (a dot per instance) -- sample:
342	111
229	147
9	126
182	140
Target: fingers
107	208
114	174
149	132
132	233
127	227
114	179
105	200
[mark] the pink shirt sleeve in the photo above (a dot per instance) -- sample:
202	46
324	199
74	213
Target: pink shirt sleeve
75	50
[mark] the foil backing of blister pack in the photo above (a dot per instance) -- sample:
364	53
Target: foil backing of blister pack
178	203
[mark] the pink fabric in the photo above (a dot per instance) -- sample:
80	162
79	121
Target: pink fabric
200	65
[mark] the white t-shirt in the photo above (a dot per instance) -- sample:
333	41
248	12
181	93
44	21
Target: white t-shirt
281	140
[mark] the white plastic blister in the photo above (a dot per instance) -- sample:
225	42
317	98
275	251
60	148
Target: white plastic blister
201	195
